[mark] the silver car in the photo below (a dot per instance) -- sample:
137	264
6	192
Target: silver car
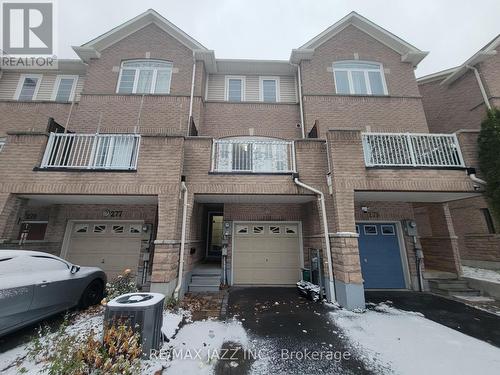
35	285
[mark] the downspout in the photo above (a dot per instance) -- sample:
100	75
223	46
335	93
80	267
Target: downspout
321	200
183	239
481	86
192	94
301	106
471	172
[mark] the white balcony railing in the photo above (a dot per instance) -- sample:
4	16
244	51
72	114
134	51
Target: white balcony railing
92	151
412	150
257	155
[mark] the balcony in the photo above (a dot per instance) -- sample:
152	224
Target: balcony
91	151
256	155
412	150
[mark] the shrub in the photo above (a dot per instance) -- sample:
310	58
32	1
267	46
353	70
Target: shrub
122	284
67	353
489	158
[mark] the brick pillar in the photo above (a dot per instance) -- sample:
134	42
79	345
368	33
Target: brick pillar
441	248
167	244
345	252
9	207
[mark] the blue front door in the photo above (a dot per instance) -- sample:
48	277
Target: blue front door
380	256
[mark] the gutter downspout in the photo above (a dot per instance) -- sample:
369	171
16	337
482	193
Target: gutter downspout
301	106
321	200
183	240
473	177
481	86
192	94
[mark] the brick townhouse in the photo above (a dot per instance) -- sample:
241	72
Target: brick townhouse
150	153
456	100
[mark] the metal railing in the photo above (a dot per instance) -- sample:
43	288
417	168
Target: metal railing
253	156
92	151
412	150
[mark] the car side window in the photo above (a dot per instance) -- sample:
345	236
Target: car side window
41	263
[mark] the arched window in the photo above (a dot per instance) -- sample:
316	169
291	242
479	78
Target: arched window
359	78
145	77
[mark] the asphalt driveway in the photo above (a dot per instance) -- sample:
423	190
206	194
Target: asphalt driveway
281	323
480	324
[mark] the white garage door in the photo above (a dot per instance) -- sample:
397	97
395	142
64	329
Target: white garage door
112	246
266	253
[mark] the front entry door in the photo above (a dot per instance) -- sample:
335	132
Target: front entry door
215	233
380	256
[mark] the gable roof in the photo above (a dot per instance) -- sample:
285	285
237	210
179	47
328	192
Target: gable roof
438	76
484	53
92	48
408	52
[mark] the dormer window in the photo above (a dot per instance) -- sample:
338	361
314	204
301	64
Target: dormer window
359	78
145	77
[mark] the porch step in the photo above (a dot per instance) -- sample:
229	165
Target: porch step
452	287
205	279
203	288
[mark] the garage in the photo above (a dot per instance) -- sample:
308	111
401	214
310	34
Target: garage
113	246
266	253
381	256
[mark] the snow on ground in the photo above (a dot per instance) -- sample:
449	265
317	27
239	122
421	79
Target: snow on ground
407	343
481	274
203	341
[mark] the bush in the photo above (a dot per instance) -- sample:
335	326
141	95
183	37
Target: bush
65	353
122	284
489	158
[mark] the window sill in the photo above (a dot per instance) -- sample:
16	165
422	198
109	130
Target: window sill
251	173
39	169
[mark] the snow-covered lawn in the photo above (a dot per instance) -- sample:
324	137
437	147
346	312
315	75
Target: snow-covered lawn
481	274
401	342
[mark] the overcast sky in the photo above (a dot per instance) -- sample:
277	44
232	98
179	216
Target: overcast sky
268	29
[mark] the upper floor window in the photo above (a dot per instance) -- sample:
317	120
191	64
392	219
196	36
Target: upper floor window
145	77
64	88
269	89
28	87
2	143
235	89
359	78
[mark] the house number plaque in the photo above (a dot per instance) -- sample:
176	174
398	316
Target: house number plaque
112	213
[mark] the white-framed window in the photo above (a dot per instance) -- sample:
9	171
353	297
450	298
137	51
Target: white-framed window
291	229
242	229
28	87
274	229
99	228
388	230
370	230
359	78
135	228
258	229
64	88
235	88
81	228
269	89
145	77
2	143
117	229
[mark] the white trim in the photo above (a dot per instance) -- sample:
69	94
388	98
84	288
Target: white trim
58	83
20	85
137	73
276	80
226	87
402	247
365	73
267	222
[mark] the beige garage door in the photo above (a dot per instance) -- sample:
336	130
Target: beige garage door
112	246
266	253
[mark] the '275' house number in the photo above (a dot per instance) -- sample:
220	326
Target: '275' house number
112	213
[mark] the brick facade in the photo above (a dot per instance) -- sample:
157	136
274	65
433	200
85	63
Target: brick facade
167	153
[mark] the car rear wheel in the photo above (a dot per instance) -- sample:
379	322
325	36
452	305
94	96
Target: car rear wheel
92	294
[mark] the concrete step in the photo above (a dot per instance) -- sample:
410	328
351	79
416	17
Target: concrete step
441	275
464	292
203	288
198	279
448	284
